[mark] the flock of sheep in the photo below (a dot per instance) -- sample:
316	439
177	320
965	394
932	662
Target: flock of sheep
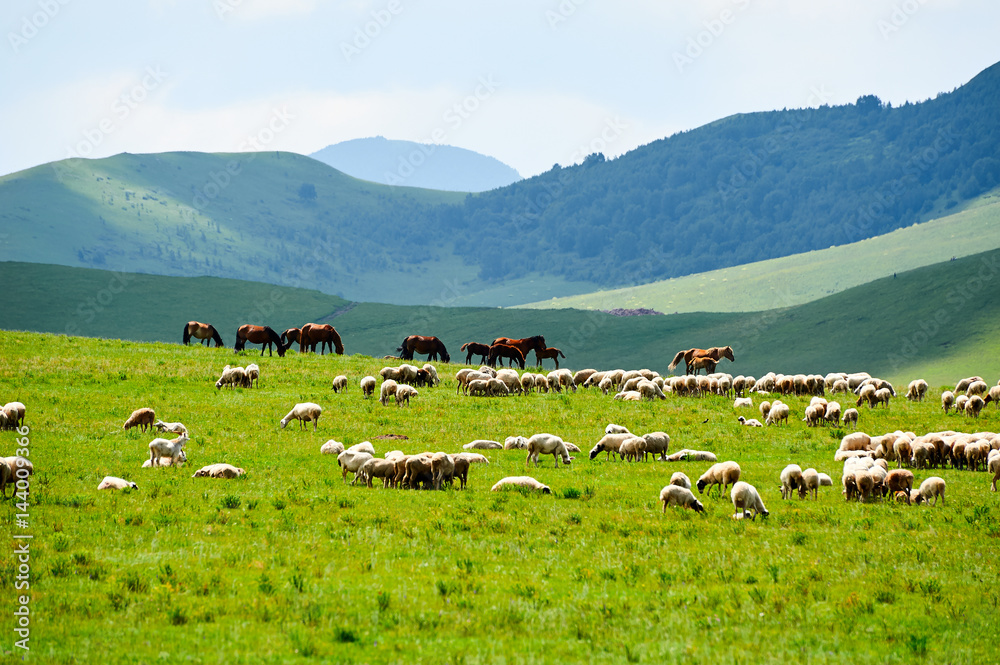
16	467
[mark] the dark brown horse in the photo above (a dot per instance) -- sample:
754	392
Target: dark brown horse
290	336
202	331
551	352
715	353
323	334
432	346
263	335
476	349
511	353
526	345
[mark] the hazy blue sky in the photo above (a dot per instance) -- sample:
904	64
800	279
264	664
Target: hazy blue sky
532	83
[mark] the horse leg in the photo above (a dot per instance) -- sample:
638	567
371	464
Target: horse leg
556	360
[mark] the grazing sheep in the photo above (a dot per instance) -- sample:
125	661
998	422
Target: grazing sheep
856	441
404	393
13	412
916	390
779	413
832	414
388	389
331	447
631	396
881	396
605	385
520	481
632	448
947	400
746	499
742	402
610	443
932	487
352	460
340	383
993	466
368	386
680	478
13	469
977	388
547	444
303	412
442	469
497	388
141	418
253	375
616	429
851	418
722	474
479	387
221	470
378	467
810	483
232	377
753	422
973	406
650	391
485	444
113	483
581	376
865	484
960	403
462	463
898	480
815	414
514	443
432	373
657	443
173	428
764	408
170	448
677	495
791	479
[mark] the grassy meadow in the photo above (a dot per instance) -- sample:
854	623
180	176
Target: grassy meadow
289	564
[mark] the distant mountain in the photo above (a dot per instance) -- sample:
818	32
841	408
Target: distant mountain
412	164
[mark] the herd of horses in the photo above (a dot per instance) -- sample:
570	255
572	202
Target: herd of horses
513	350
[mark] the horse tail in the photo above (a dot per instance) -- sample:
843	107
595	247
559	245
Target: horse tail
216	337
187	334
561	354
676	361
303	337
465	346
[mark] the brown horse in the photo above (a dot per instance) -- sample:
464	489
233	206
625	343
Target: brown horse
526	345
551	352
511	353
202	331
702	362
476	349
432	346
715	353
323	334
263	335
290	336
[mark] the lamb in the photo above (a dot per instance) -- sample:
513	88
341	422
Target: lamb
526	482
881	396
932	487
580	378
303	412
171	448
680	478
173	428
632	448
113	483
810	483
676	495
389	387
514	443
141	418
547	444
497	388
391	374
351	460
253	375
960	403
815	414
850	485
418	471
165	461
722	474
779	413
403	394
649	390
851	417
611	443
378	468
340	383
791	479
753	422
692	456
916	390
221	470
898	480
368	386
947	399
331	447
527	383
485	444
742	402
442	469
746	499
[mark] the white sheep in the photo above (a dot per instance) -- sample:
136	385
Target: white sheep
165	461
403	394
479	387
362	447
974	405
916	390
610	443
368	386
993	466
173	428
514	443
851	417
220	470
932	487
616	429
331	447
832	414
547	444
657	443
442	469
340	383
303	412
810	483
791	480
746	499
743	402
722	474
351	460
388	389
677	495
632	448
432	373
485	444
113	483
232	377
462	463
825	480
171	448
253	375
680	478
692	456
14	413
378	467
779	413
947	399
520	481
753	422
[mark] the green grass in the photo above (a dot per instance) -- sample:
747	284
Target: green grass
802	278
290	565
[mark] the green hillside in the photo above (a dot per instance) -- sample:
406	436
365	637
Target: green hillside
937	321
801	278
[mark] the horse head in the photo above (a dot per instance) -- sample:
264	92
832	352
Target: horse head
728	353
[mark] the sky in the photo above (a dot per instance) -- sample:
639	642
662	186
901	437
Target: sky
532	83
